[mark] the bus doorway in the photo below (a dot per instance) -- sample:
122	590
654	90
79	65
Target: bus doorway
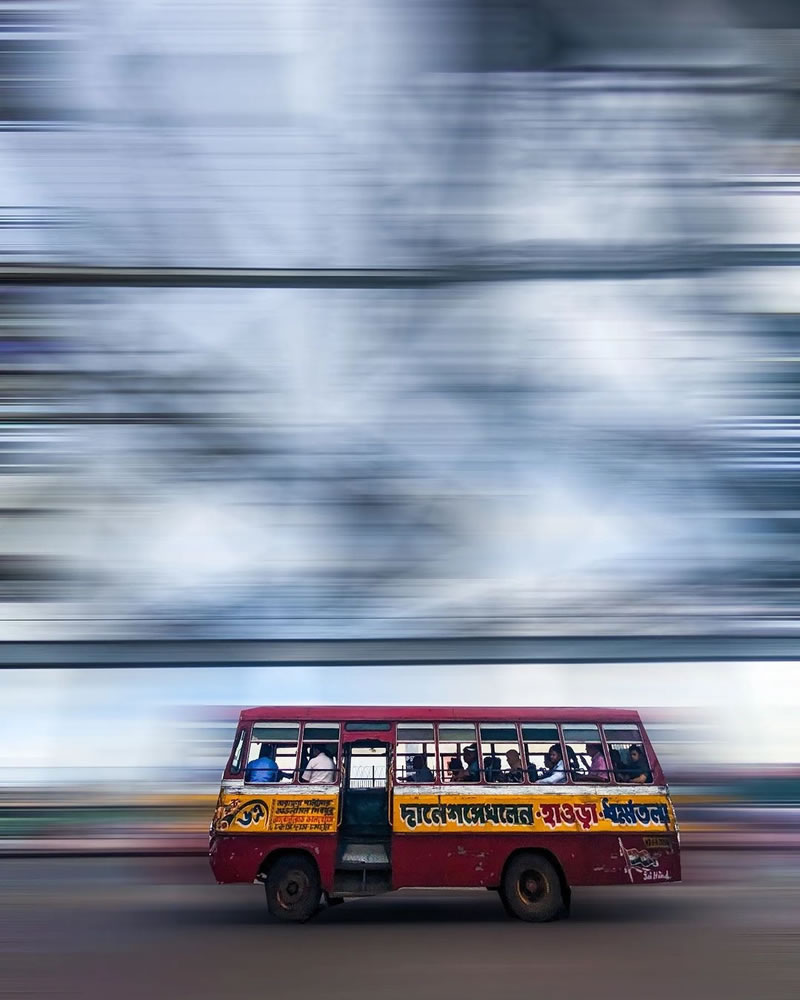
363	864
365	796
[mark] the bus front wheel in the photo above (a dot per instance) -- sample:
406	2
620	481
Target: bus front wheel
293	888
531	888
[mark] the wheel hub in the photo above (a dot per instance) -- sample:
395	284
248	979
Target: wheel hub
532	885
292	889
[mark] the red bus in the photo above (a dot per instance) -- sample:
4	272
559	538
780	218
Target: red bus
327	803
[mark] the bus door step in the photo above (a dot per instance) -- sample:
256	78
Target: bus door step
364	856
361	881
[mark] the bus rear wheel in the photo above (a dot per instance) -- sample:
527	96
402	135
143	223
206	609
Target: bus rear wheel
293	888
531	888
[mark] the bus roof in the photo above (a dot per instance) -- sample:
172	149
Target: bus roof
391	713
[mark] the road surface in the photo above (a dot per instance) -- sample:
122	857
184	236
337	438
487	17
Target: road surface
153	928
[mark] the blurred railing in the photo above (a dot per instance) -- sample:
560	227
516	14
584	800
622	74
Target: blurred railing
525	262
399	651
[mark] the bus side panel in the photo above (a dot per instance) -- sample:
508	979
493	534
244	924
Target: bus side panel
587	859
420	859
238	857
651	858
623	859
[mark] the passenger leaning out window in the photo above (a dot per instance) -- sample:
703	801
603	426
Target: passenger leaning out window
554	772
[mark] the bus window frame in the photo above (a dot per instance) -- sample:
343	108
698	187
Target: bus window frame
602	735
612	774
296	773
482	770
242	733
339	768
299	768
526	778
564	756
523	748
396	754
656	775
442	770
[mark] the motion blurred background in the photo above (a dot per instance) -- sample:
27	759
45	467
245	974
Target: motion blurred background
394	351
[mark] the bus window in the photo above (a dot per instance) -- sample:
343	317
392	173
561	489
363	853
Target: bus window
324	736
458	752
278	742
236	759
368	727
585	751
537	739
416	752
628	756
500	752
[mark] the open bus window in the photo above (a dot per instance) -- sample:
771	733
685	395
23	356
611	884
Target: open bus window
320	740
628	757
458	752
273	752
416	752
587	761
501	760
537	739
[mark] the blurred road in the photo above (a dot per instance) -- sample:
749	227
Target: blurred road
151	928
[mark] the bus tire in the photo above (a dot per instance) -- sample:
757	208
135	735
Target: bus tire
293	888
531	888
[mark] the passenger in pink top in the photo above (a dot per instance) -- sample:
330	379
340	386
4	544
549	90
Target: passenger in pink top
598	769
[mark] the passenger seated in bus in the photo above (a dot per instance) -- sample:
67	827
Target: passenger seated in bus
454	767
471	760
555	773
514	775
420	772
264	768
492	768
472	771
636	771
320	768
598	768
616	763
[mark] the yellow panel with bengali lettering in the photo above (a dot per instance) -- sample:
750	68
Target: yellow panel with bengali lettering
274	813
527	813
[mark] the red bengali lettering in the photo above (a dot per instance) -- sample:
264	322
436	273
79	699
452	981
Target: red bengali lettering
550	813
586	814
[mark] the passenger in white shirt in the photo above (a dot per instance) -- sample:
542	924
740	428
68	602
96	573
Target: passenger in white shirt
320	768
556	774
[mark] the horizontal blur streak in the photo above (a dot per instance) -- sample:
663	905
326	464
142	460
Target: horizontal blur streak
409	319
